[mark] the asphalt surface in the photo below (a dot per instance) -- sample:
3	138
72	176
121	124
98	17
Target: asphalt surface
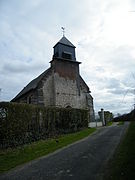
84	160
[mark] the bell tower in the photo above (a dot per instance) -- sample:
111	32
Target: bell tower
64	49
66	77
64	59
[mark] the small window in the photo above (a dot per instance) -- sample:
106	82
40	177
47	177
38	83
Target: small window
66	55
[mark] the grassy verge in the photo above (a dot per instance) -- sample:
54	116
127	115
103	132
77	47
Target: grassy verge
109	123
10	158
122	166
120	122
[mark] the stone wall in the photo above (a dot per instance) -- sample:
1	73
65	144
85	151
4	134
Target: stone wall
48	91
30	97
68	94
66	91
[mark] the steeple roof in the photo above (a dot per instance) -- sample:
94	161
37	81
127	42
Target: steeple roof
65	41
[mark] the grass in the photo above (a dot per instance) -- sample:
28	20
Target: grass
122	167
109	123
120	122
11	158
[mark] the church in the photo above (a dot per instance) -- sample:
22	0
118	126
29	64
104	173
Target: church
61	85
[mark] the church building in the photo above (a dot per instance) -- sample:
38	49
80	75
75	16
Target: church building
60	85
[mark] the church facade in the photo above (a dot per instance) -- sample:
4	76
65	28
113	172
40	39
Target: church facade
61	85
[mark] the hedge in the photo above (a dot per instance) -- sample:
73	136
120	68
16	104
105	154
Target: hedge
126	117
23	123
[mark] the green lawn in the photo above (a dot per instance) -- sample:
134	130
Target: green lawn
10	158
122	166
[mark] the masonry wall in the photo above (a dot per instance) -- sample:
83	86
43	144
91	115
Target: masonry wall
82	99
68	94
30	97
48	90
69	90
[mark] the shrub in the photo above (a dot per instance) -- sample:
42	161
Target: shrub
23	123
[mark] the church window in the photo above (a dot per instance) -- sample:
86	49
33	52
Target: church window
68	107
66	55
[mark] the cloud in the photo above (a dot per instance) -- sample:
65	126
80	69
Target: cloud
103	33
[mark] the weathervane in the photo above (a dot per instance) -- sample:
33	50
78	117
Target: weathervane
63	31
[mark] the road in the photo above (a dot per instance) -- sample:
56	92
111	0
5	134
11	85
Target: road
84	160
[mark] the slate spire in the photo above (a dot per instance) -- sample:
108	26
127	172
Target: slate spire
65	41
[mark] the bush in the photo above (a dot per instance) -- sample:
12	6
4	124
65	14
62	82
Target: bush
126	117
23	123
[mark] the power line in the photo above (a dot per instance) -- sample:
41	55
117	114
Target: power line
124	95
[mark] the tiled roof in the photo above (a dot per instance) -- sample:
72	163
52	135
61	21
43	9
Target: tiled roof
32	85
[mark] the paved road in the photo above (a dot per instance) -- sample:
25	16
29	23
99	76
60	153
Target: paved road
84	160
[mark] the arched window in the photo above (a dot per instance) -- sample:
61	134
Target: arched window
68	107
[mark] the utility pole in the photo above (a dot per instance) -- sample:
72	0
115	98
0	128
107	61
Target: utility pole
103	117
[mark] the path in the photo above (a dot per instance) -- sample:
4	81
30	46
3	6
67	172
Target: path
84	160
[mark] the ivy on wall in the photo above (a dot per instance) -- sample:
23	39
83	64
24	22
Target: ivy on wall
23	123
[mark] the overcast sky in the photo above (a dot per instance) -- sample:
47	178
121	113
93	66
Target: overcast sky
102	31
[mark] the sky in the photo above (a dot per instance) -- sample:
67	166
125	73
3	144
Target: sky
102	31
